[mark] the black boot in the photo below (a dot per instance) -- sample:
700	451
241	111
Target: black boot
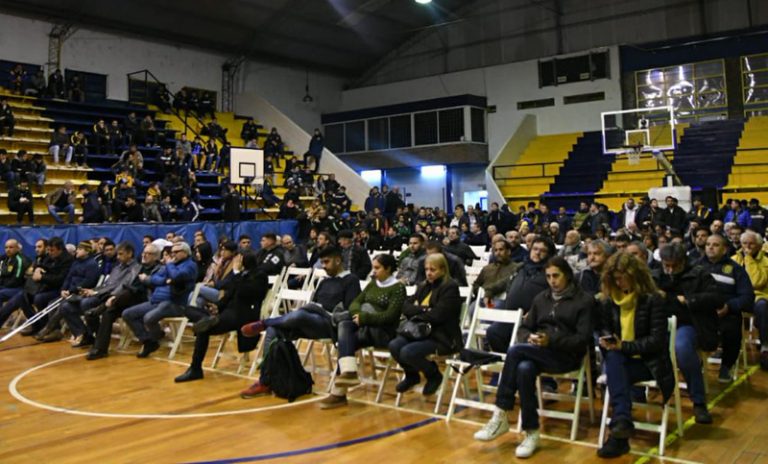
614	448
193	373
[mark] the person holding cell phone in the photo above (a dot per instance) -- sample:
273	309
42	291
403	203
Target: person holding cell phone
552	338
633	340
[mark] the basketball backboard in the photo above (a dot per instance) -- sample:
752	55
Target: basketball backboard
246	166
646	129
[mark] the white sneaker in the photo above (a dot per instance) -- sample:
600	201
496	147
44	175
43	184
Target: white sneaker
497	426
529	445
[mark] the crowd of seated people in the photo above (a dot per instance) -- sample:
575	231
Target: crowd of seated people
579	289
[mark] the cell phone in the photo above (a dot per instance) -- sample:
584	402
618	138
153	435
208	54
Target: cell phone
609	339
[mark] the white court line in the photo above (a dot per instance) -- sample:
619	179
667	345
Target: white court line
12	388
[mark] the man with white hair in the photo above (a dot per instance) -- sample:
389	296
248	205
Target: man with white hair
172	285
753	259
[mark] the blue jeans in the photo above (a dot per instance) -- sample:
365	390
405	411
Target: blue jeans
622	372
8	293
144	319
72	312
207	294
523	364
412	356
69	209
689	363
297	324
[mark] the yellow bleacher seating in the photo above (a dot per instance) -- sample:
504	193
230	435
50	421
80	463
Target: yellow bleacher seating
527	179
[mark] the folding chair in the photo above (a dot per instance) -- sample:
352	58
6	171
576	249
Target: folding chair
582	376
381	364
747	339
285	301
661	428
243	359
478	250
305	272
176	326
466	294
481	319
317	276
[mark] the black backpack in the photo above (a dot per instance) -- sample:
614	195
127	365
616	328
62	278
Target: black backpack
282	370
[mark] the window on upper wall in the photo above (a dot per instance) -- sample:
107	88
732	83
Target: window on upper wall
425	127
354	136
378	134
754	84
451	125
400	131
588	67
334	137
478	125
692	89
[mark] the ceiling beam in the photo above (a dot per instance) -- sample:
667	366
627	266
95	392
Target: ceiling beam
164	36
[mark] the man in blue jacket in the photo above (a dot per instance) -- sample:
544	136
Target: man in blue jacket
172	285
734	285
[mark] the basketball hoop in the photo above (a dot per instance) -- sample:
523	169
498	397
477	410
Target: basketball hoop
633	155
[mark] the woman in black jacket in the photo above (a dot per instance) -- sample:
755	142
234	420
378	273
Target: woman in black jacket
635	341
239	305
554	335
437	302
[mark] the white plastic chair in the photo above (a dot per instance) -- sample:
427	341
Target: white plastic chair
481	319
661	428
581	376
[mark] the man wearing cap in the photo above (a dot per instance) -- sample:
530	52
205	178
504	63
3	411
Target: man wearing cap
120	274
353	258
172	285
84	273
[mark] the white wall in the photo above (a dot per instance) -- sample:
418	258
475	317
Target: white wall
421	191
284	88
504	86
270	115
26	40
466	179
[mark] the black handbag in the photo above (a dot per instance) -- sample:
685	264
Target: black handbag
414	330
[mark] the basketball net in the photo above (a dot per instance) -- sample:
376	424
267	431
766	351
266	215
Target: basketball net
633	155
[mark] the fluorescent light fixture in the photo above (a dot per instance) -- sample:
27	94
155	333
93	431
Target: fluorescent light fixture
433	171
423	2
373	177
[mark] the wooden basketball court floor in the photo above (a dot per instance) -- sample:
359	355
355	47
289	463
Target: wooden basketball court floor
56	407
